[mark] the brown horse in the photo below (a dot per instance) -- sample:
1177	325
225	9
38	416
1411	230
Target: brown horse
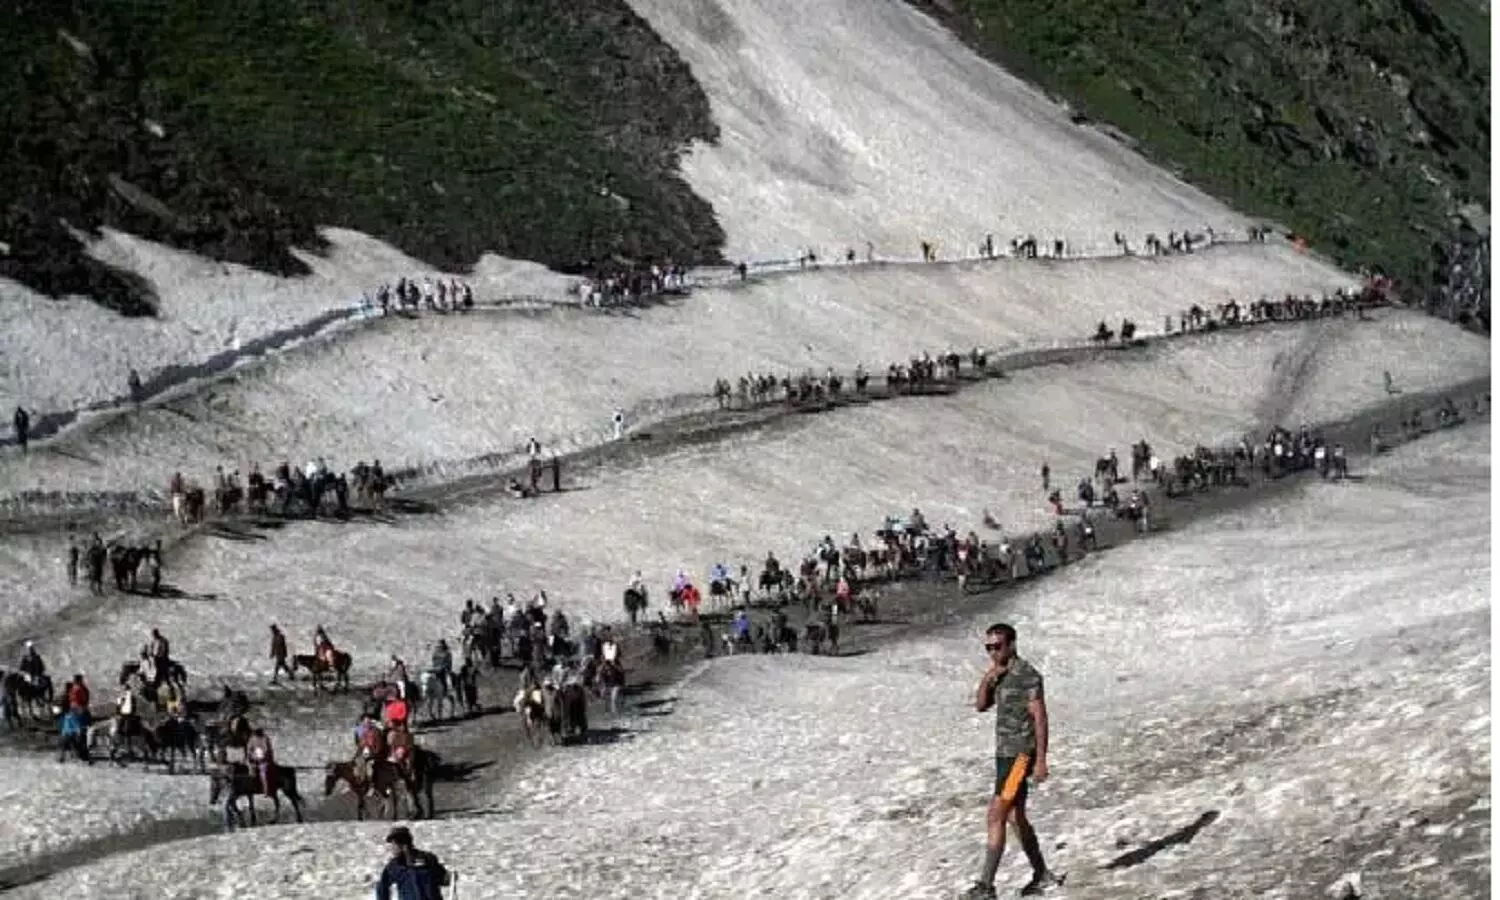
319	669
232	733
236	780
382	778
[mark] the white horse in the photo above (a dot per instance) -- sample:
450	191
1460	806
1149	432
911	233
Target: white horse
435	690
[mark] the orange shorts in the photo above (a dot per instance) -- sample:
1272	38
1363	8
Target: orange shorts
1011	773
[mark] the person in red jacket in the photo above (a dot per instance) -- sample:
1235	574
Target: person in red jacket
396	711
78	697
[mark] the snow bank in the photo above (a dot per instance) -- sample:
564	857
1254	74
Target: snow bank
844	121
812	777
376	587
451	388
50	806
61	354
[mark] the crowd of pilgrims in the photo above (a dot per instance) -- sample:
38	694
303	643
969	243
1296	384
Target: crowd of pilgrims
408	295
309	487
633	285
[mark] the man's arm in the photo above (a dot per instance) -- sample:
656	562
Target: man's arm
1038	709
383	886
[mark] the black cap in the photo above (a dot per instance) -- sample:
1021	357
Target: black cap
400	836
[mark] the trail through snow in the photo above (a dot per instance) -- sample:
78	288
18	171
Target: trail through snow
450	388
375	586
58	355
1292	737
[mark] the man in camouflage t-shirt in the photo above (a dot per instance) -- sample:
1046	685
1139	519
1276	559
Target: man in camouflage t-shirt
1013	687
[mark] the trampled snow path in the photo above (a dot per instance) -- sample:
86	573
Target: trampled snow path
58	355
450	388
846	121
376	588
1292	735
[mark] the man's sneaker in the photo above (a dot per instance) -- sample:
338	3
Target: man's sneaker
979	891
1040	882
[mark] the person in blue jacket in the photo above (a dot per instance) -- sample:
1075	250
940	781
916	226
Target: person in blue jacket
411	874
73	732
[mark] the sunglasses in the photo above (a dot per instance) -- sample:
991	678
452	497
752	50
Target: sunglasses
992	647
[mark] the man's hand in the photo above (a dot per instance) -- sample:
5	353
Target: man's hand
986	694
1039	771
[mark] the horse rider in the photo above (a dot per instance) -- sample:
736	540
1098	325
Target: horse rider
146	668
260	756
369	743
32	665
125	712
402	745
441	663
160	649
396	710
322	647
398	675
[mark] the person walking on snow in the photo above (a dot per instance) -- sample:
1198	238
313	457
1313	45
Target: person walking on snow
1013	688
278	655
411	874
619	422
22	421
441	663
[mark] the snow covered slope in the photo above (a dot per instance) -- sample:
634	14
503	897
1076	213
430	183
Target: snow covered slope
57	355
846	121
450	388
1332	641
376	587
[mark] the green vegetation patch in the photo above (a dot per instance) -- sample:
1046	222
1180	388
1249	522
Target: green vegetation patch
233	128
1362	124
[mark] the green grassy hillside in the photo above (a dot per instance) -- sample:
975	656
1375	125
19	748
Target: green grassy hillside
541	130
1361	124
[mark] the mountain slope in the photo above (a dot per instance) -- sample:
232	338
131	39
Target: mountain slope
539	131
1364	126
846	123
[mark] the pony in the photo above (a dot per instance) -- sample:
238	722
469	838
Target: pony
383	778
179	737
18	693
319	670
235	780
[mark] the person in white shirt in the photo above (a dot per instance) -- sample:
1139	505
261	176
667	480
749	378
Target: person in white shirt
619	420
